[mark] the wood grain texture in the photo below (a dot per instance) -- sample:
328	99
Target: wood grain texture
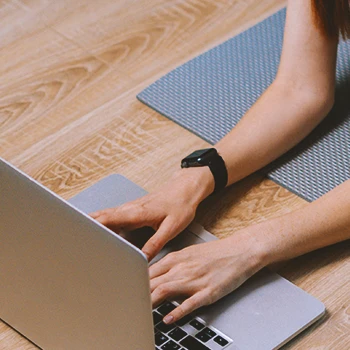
18	20
69	74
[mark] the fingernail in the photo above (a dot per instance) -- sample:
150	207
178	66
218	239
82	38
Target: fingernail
168	319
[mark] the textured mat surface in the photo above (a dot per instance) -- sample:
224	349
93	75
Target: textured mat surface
209	94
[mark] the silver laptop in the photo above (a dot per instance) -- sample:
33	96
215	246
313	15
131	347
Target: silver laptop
67	282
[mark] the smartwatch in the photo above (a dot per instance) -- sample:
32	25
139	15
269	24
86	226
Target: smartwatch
211	158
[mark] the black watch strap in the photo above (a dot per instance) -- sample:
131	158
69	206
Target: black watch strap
218	168
211	158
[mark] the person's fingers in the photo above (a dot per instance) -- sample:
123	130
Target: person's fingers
164	272
155	282
94	214
98	213
164	291
165	232
189	305
128	217
163	266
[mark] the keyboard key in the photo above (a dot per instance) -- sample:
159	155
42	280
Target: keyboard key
177	334
205	334
209	332
165	328
160	338
196	324
204	337
220	340
170	345
182	321
156	317
191	343
166	308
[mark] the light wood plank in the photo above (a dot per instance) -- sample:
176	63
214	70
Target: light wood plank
158	35
19	19
46	99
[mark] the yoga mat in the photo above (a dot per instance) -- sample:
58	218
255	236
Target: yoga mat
210	93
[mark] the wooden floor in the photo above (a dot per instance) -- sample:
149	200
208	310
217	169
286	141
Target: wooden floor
69	74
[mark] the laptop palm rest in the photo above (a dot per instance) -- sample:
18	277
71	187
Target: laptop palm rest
264	313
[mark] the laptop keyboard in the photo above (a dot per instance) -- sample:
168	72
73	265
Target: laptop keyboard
189	333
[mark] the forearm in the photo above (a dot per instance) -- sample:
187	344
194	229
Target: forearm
291	107
280	119
321	223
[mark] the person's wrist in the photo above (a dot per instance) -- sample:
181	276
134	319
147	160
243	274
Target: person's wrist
197	182
258	249
266	247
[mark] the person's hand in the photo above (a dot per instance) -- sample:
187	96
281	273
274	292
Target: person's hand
168	211
205	272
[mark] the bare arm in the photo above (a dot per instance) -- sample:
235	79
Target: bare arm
299	98
319	224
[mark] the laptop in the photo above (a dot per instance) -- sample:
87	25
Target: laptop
68	282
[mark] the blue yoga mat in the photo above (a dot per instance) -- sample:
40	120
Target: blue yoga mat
210	93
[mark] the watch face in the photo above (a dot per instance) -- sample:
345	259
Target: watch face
199	158
198	153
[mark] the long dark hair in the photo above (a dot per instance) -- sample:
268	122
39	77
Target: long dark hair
332	17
